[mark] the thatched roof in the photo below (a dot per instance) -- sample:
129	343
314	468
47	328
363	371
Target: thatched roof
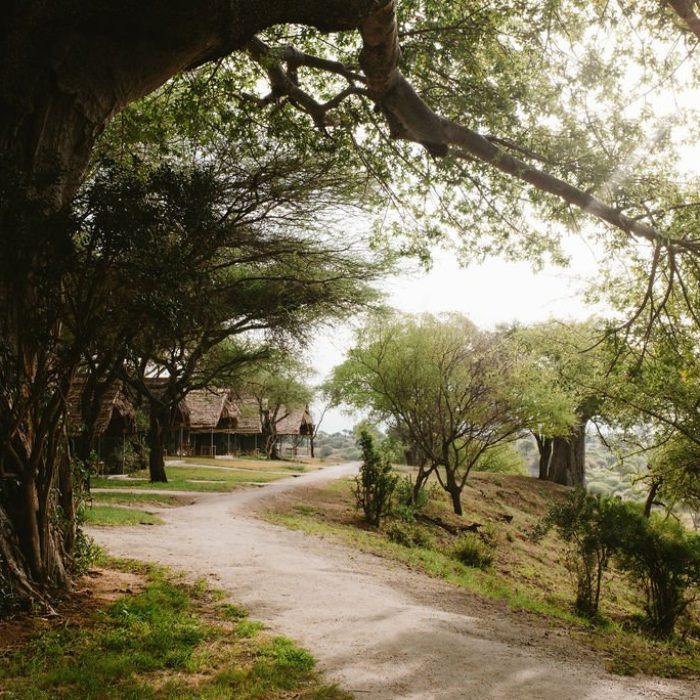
298	421
248	416
114	403
205	408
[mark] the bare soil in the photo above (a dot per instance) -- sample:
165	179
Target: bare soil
100	587
377	628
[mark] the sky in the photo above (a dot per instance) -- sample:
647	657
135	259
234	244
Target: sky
497	291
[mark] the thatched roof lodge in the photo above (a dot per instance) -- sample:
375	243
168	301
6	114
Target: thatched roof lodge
115	416
209	422
219	421
296	422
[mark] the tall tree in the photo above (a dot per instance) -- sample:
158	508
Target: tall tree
452	389
577	371
66	69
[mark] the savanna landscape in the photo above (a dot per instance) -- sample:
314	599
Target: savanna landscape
349	350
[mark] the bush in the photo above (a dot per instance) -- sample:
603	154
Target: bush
472	550
376	482
325	451
665	560
405	507
594	527
410	535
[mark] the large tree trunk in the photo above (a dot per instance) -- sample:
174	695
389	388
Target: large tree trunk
545	447
65	70
36	547
568	459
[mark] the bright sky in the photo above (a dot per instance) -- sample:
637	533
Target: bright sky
494	292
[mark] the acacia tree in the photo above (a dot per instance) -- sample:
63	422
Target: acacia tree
208	258
450	387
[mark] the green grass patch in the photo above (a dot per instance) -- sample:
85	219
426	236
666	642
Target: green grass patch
167	641
128	499
629	654
191	479
115	516
250	464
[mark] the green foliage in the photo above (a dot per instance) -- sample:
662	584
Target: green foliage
407	503
446	388
661	557
127	457
409	535
675	468
375	484
665	560
502	459
594	528
473	550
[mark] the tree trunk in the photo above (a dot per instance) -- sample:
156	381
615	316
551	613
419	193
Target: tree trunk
455	492
568	458
651	497
456	496
421	479
545	447
65	71
271	447
157	437
36	548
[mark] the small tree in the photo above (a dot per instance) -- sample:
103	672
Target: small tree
593	526
375	484
665	560
278	386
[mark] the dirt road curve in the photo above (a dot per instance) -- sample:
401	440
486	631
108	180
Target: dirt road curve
378	630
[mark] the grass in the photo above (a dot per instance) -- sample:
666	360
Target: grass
196	479
115	516
526	575
255	464
128	499
167	640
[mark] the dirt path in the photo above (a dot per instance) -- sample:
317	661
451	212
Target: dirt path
378	629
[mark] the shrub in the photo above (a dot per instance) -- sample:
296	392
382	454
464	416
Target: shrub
405	506
325	451
472	550
594	527
409	535
665	560
375	484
